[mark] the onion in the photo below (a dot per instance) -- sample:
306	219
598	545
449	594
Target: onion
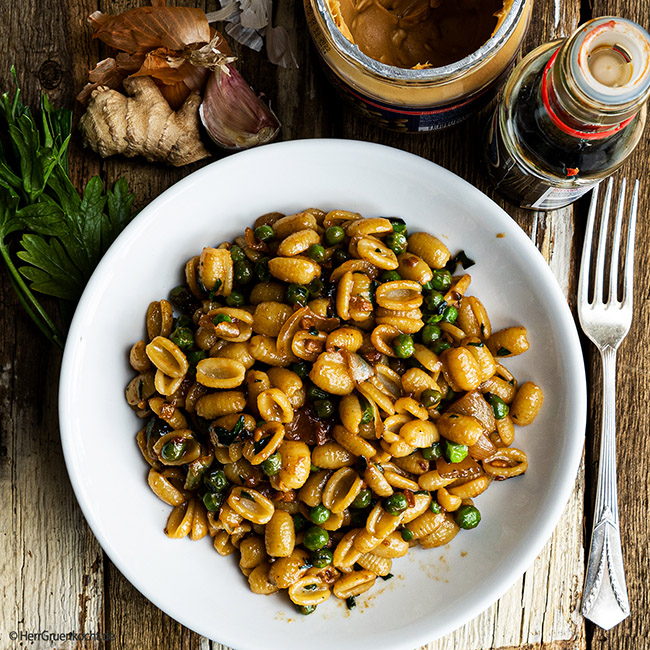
361	370
482	449
474	404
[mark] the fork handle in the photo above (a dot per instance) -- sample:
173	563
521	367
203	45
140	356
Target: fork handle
604	599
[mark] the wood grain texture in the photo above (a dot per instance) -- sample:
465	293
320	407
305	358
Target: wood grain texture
53	572
633	445
633	414
51	566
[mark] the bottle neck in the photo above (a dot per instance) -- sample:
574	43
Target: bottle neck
571	112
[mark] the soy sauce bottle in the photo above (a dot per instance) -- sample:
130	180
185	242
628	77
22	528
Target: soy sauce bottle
571	113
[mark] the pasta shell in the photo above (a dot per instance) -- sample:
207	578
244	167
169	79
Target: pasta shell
215	270
167	356
376	252
297	270
220	373
251	505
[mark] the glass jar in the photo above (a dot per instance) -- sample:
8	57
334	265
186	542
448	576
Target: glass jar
417	100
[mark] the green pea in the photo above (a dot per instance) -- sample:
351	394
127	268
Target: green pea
297	294
183	321
450	314
183	337
319	514
315	538
243	272
453	452
264	233
300	522
430	398
261	269
500	408
396	241
194	357
362	500
174	449
306	610
272	465
237	253
467	517
431	453
407	535
236	299
367	412
430	333
313	468
390	276
316	252
216	480
301	369
324	408
431	319
213	501
340	256
441	280
321	559
314	393
182	298
438	347
399	226
334	235
434	301
403	346
435	507
316	287
395	504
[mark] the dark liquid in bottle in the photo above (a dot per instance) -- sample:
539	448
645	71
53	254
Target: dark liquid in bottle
552	150
546	151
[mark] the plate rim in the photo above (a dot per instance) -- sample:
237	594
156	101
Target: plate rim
575	441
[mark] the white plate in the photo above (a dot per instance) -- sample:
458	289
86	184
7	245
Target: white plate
434	591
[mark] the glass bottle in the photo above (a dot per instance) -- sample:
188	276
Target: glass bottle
571	113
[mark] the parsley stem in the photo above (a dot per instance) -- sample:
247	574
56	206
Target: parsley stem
29	302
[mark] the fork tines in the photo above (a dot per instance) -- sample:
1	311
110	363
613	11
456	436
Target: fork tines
599	272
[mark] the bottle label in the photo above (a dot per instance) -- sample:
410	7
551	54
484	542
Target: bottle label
521	185
558	197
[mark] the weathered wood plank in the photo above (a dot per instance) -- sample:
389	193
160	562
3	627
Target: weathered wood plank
51	567
633	446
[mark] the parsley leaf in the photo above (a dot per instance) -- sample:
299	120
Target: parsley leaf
62	236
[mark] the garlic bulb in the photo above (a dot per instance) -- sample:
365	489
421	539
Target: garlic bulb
233	115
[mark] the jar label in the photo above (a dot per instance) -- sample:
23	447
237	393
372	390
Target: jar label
401	118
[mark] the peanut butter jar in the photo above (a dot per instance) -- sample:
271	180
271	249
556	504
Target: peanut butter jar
417	65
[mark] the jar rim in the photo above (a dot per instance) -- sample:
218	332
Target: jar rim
439	74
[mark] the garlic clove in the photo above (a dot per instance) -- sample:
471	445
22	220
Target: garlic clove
233	115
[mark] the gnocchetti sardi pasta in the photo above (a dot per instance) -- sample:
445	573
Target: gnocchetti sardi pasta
321	395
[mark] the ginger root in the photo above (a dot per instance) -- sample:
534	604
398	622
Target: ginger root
143	124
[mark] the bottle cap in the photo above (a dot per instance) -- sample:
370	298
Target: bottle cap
610	60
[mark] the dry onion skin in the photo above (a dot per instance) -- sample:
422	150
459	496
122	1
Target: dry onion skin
334	397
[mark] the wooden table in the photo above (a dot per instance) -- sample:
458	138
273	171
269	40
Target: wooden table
54	575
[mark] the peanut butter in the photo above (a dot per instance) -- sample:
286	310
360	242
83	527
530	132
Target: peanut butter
418	33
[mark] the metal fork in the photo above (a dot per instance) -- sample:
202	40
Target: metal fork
606	321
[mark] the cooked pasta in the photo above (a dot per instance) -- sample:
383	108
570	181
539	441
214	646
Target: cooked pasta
323	394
